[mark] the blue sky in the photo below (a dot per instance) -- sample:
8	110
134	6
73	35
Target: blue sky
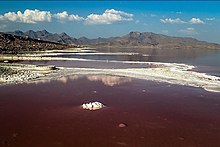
94	19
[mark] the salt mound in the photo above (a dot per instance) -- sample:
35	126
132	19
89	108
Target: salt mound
93	106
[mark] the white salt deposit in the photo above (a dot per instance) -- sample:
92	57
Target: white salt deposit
172	73
93	106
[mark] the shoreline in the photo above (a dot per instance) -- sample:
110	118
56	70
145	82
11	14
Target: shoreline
172	73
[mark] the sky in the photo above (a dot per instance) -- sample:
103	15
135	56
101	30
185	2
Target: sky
92	19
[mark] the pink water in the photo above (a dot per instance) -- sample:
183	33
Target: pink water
156	114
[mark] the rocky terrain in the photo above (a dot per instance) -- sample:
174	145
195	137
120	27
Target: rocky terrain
17	44
44	35
131	40
152	40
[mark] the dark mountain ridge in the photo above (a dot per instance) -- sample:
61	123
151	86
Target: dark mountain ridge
17	44
152	40
46	36
131	40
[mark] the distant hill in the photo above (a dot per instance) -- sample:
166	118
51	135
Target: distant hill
86	41
152	40
16	44
46	36
131	40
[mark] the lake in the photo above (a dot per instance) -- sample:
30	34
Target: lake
48	113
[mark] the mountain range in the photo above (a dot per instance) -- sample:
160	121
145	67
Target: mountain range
131	40
46	36
17	44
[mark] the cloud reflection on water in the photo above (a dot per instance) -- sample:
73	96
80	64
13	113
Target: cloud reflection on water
105	79
109	80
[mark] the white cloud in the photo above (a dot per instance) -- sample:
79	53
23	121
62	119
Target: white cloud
64	16
33	16
189	31
73	17
179	21
2	26
172	21
29	16
108	17
210	19
196	21
61	16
